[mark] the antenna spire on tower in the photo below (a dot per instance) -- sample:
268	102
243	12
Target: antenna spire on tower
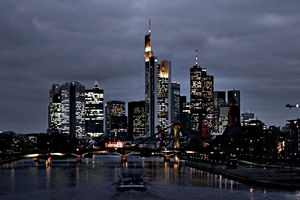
149	25
196	57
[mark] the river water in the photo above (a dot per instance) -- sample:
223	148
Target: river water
95	178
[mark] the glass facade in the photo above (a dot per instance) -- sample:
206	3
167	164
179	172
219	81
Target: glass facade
185	113
175	102
54	110
223	117
136	119
246	118
219	99
163	94
94	115
150	86
116	121
67	109
202	102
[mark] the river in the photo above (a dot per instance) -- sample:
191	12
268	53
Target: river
95	178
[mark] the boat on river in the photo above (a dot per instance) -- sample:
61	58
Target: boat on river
131	181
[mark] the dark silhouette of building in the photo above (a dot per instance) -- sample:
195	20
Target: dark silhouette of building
235	107
185	113
292	136
136	119
115	120
175	102
246	118
219	99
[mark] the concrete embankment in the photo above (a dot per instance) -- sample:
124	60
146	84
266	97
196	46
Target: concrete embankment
274	177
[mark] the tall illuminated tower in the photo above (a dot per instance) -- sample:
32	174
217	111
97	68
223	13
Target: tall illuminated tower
136	119
150	86
94	115
73	109
54	110
219	100
163	94
175	102
115	119
202	101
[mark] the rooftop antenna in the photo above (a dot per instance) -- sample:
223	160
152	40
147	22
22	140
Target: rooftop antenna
196	57
149	25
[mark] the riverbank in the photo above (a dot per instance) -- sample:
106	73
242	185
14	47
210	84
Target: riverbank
9	160
264	176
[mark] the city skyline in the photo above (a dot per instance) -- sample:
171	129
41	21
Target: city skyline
257	54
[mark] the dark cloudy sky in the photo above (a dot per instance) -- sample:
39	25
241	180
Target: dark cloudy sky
251	45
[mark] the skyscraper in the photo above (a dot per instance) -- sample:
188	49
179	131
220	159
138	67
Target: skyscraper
54	110
202	102
116	121
234	101
73	109
219	99
150	86
223	117
94	115
163	94
185	113
175	102
292	136
136	119
246	118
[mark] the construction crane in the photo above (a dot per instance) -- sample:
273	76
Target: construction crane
292	106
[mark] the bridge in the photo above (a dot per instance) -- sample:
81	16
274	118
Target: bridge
172	151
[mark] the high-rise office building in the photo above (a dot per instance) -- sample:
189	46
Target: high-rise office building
185	113
292	136
163	94
234	101
136	119
223	117
219	99
246	118
202	101
175	102
94	115
73	109
54	110
150	86
115	120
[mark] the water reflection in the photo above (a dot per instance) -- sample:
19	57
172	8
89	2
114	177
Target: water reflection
100	173
12	179
251	195
167	173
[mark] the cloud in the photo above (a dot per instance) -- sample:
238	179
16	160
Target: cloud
249	45
273	20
